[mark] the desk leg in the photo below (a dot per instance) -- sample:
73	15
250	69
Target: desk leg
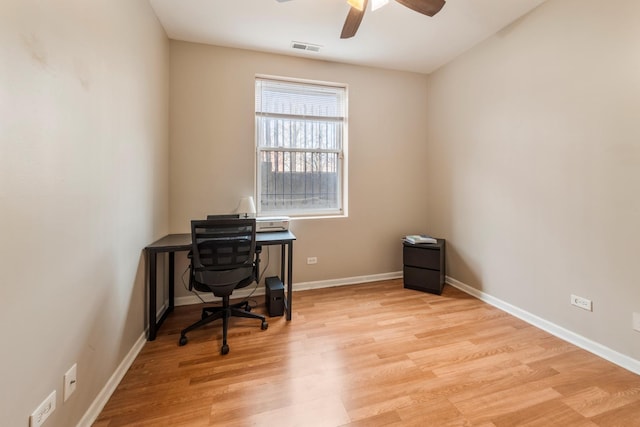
153	277
282	261
289	278
283	277
154	322
172	291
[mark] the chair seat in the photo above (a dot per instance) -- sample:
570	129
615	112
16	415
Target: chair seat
221	289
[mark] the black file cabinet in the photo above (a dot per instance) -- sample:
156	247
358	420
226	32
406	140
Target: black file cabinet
424	266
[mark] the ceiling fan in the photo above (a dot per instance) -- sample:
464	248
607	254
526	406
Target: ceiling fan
354	17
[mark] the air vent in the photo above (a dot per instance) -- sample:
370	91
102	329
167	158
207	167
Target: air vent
306	46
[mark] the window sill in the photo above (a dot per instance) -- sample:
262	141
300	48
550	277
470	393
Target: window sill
336	216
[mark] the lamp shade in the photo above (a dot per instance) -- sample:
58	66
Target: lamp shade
246	208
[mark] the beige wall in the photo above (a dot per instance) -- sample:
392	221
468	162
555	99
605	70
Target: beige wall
212	154
83	188
534	166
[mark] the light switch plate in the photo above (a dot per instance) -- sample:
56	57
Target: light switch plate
70	382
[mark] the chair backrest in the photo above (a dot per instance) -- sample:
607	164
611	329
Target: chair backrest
223	253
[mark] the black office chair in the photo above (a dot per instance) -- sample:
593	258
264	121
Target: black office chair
223	259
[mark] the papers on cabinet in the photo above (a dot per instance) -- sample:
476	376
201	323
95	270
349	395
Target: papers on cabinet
419	239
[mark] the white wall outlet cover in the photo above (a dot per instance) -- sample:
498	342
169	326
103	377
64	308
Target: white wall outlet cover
581	302
43	411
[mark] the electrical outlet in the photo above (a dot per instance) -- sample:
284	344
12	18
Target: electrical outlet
70	382
583	303
45	409
312	260
636	321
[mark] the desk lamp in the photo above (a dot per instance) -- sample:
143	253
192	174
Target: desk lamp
246	208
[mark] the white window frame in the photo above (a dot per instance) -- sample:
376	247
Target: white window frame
337	155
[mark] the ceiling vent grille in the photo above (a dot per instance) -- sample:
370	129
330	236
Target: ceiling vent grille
306	46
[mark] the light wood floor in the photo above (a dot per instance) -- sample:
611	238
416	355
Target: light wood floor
372	355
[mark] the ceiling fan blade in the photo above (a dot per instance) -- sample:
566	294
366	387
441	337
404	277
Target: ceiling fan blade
351	24
426	7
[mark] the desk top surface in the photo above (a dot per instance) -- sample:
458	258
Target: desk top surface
275	237
182	241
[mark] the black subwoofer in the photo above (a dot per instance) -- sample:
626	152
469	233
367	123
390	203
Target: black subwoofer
274	296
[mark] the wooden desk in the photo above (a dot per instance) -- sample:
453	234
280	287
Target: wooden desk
173	243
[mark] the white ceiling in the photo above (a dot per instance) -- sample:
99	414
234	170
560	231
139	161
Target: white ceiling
392	37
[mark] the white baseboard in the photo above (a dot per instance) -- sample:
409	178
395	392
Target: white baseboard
302	286
606	353
103	397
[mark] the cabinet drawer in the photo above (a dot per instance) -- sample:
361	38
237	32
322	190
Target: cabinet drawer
423	257
422	279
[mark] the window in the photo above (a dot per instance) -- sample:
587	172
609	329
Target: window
300	146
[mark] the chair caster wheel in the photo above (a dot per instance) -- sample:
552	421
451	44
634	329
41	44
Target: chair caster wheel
247	308
224	350
183	341
264	325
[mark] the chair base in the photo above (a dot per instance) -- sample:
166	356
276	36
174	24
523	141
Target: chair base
209	314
